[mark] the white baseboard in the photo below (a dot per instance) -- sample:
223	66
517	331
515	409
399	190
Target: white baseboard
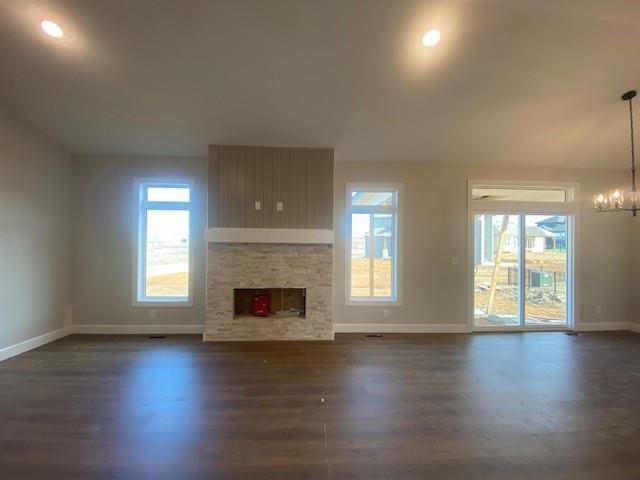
40	340
603	326
398	328
35	342
138	329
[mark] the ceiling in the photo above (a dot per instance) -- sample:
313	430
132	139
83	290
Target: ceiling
512	82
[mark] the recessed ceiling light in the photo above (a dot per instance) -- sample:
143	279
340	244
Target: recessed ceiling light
51	28
430	38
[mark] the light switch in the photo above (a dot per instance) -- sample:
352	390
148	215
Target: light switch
258	205
279	206
454	260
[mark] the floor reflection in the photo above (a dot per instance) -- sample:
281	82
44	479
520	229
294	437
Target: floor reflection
160	408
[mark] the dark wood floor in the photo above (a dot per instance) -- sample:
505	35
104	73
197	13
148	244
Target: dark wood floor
494	406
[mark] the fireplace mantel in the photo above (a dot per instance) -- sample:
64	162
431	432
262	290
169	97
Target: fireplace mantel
269	235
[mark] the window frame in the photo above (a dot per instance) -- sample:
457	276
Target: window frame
481	205
569	208
396	211
141	207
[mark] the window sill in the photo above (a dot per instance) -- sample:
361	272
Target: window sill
373	303
163	304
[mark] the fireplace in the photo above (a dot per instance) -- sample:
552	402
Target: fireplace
269	243
296	278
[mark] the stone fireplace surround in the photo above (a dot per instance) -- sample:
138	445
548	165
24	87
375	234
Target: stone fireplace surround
268	265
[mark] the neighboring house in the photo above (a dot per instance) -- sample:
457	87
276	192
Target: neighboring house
548	234
557	228
487	238
383	238
536	239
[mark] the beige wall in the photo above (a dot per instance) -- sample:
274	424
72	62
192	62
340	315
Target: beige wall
36	177
103	251
433	290
52	205
434	230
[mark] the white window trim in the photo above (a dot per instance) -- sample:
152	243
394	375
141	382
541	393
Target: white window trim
139	253
371	302
567	207
570	208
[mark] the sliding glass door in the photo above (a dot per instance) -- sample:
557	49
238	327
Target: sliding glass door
520	270
496	280
546	271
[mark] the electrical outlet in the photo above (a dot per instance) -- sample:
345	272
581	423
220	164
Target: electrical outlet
454	260
385	313
152	314
258	205
598	309
279	206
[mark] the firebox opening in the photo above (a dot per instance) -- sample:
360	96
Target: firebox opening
269	302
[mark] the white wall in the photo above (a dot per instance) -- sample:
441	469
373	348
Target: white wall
36	185
434	230
103	250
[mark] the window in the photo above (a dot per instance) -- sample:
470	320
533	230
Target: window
163	273
515	287
372	251
522	264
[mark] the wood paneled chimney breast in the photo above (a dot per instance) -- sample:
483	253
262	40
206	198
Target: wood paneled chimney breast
270	187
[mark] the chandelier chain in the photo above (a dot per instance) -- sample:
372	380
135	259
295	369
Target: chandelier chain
614	200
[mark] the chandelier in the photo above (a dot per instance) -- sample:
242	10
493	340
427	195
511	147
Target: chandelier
615	200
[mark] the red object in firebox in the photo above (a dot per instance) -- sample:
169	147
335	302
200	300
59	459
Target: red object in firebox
261	305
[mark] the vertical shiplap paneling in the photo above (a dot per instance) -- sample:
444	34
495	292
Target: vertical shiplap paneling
232	165
250	187
311	188
322	188
301	178
286	188
303	166
317	187
267	182
232	159
223	197
293	189
241	187
213	185
230	168
277	185
332	173
259	185
327	202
